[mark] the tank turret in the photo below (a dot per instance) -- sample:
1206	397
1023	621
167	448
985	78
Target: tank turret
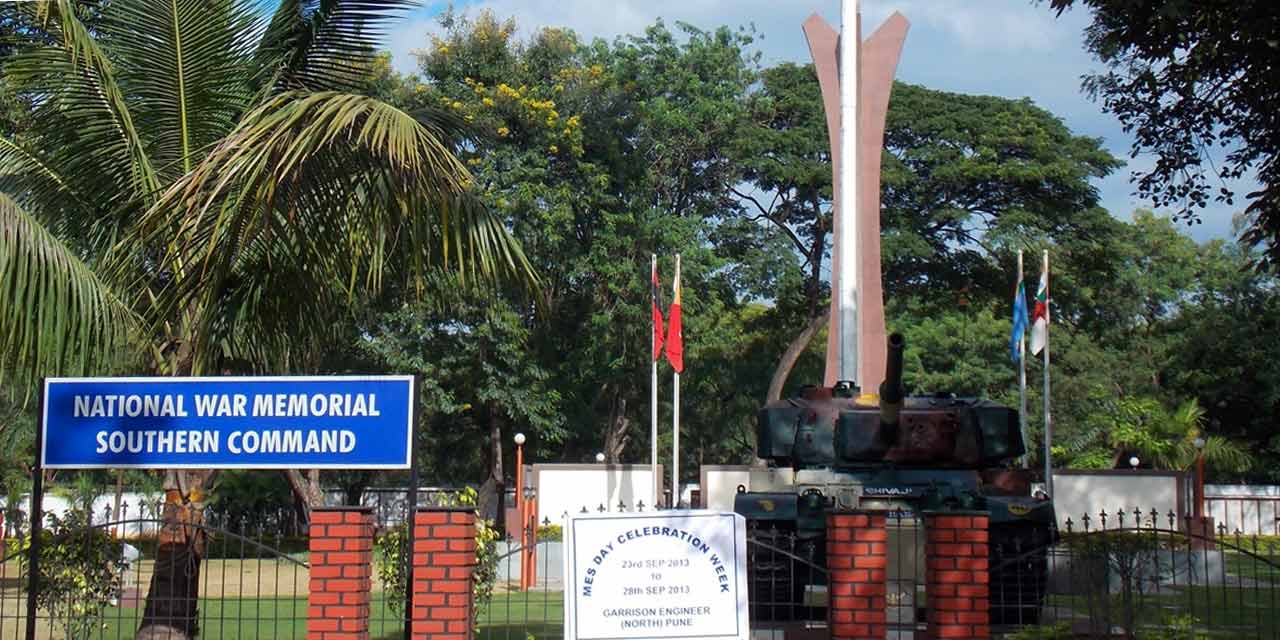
837	448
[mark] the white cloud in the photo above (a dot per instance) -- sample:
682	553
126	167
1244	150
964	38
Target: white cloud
1002	25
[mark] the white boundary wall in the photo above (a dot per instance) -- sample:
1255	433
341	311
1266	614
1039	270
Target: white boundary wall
1079	492
568	488
720	484
1249	509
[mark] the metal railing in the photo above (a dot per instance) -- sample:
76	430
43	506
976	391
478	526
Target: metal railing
103	577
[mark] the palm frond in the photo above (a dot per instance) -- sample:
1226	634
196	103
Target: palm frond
185	66
37	187
87	130
324	188
56	315
323	45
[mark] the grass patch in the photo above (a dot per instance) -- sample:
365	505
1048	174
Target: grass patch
1221	611
509	616
1247	566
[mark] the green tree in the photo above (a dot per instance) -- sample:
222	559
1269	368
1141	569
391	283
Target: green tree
786	161
966	180
212	185
1194	83
471	352
597	155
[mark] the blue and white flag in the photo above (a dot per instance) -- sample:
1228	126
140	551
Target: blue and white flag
1019	320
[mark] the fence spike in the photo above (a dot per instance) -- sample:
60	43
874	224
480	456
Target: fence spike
1069	524
1137	517
640	506
1085	520
584	509
1173	517
1155	518
1103	517
622	506
1120	516
601	509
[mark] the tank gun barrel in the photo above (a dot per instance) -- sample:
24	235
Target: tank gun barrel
891	392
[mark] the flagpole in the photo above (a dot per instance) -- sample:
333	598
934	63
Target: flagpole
675	413
653	411
1022	375
1048	418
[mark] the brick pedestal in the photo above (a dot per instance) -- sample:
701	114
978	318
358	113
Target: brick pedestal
856	561
341	551
957	574
444	556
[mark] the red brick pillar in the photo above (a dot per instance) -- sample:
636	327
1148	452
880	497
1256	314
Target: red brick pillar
341	550
957	574
856	561
444	556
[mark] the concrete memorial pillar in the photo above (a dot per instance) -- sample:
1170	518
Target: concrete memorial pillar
878	60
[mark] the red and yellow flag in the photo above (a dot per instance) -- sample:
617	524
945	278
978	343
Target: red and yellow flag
675	334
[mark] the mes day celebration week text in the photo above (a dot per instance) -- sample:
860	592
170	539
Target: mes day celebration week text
226	405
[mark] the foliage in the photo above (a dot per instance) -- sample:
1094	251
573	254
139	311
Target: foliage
392	555
966	178
179	164
1055	631
597	155
244	501
550	533
1179	627
1192	82
471	354
81	571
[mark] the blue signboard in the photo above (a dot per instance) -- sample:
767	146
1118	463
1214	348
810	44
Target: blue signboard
347	422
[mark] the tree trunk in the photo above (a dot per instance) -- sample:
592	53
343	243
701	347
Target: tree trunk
306	489
617	432
493	489
170	612
792	354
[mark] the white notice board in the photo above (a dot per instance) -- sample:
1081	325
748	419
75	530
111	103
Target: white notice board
663	574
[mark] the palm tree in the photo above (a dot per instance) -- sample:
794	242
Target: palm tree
205	184
1167	439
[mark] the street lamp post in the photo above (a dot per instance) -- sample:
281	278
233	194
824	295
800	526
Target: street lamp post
1199	497
519	473
520	513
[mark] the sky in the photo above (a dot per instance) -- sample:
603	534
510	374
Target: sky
1008	48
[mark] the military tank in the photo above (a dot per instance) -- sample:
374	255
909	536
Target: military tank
836	448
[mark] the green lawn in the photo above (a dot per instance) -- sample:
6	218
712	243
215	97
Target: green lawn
1247	566
1220	611
509	616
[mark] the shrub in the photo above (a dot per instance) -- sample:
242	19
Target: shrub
391	556
550	533
1056	631
81	572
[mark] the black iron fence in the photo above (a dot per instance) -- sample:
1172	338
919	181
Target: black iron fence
1136	574
1123	574
107	575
